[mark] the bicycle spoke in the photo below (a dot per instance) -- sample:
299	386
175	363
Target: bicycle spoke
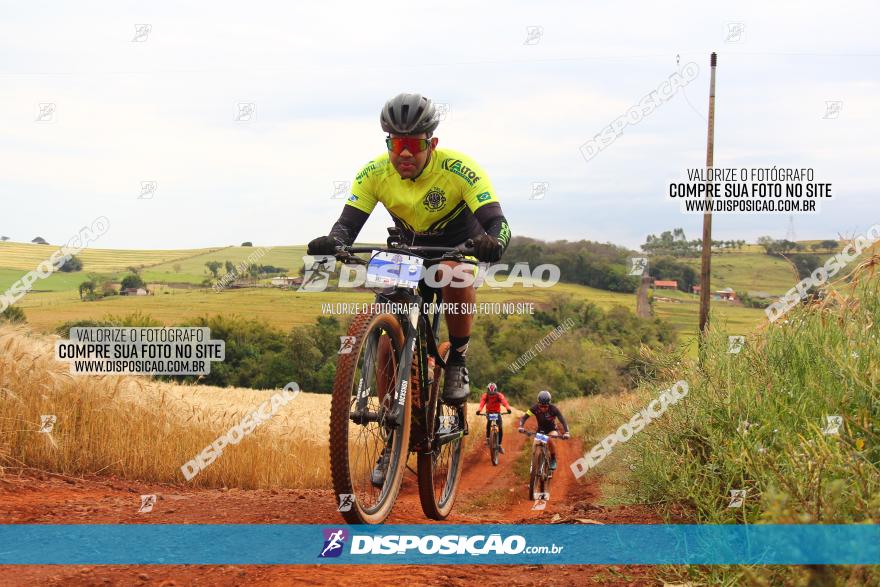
368	437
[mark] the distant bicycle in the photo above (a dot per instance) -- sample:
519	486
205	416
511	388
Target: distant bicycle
540	472
494	445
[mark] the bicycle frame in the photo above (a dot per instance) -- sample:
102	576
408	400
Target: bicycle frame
421	331
494	423
545	448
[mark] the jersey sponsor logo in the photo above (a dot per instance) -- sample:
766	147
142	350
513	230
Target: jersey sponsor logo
434	200
365	172
484	196
458	167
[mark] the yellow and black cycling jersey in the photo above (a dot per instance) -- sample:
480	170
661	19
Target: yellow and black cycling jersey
436	207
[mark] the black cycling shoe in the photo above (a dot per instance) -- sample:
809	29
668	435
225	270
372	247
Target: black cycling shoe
456	388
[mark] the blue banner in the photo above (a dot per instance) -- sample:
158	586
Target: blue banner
87	544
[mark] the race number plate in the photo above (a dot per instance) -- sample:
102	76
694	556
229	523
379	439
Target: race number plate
393	269
541	437
493	416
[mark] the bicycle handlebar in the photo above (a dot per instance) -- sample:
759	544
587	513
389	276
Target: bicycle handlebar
457	253
554	434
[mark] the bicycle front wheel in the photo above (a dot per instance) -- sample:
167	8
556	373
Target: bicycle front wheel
440	470
361	430
493	445
536	481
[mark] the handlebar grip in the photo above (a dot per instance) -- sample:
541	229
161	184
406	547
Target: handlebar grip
467	247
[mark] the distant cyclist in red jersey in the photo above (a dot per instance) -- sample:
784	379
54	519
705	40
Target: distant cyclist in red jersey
493	400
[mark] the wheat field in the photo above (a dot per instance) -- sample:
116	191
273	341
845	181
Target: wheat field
139	428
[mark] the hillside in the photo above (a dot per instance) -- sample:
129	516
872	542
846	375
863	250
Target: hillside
26	256
56	300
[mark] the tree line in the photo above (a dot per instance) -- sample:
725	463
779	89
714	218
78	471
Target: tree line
598	350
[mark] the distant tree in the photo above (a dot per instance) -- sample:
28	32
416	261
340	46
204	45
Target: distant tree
132	281
177	267
214	267
4	238
87	286
785	246
805	264
829	245
230	267
13	315
40	241
672	242
72	264
247	244
767	243
269	269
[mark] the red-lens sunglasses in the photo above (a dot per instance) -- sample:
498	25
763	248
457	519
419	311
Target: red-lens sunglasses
398	145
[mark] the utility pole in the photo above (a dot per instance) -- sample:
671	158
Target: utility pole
705	267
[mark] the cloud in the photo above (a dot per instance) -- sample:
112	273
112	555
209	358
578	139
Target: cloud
163	110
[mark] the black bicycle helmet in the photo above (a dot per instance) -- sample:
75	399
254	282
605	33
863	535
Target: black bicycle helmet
409	114
544	397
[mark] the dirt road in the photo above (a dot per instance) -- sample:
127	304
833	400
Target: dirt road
488	495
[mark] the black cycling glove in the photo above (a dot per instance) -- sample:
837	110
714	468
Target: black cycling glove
323	245
488	248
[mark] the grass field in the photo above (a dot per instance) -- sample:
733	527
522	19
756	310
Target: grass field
192	269
58	281
749	271
760	422
282	308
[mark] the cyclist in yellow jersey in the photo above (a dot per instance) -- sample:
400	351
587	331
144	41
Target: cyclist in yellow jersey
436	197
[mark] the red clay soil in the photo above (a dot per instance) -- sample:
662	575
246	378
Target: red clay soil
488	494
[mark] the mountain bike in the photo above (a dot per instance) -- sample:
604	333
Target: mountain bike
540	472
494	426
386	394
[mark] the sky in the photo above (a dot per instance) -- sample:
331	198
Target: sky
148	94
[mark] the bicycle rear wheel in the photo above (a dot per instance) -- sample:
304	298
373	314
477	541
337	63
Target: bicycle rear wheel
364	393
439	471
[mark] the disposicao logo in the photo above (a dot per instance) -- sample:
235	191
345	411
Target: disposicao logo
334	540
